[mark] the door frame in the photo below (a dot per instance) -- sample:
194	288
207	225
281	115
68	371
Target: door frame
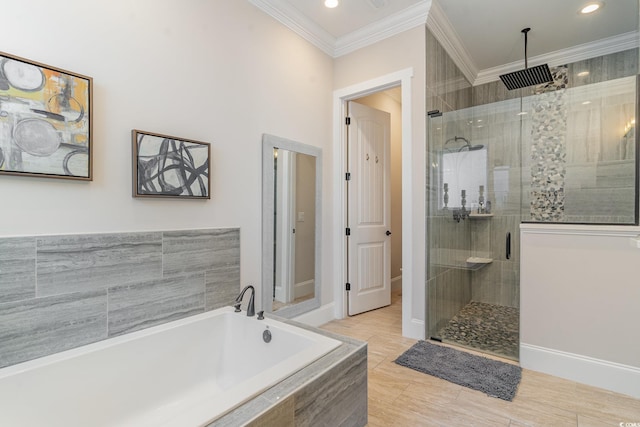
400	78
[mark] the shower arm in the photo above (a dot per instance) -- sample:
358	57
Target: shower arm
526	62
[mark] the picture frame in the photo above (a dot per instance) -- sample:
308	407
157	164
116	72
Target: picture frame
170	167
46	126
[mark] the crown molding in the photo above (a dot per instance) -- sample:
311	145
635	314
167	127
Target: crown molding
443	31
431	13
291	18
394	24
397	23
630	40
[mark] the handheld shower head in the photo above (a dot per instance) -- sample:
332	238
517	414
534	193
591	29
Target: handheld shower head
472	147
456	139
466	145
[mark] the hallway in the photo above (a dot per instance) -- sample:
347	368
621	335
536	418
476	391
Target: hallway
399	396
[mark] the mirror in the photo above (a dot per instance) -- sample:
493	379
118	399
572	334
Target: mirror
291	217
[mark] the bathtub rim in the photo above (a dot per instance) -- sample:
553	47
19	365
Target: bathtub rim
253	410
93	347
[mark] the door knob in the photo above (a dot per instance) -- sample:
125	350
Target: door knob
388	233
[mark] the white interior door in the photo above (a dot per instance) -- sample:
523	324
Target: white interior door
369	208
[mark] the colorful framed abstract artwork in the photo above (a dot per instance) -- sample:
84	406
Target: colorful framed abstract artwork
166	166
45	120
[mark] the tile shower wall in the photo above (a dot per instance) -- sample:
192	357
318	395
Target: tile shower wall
61	292
498	283
599	69
598	185
448	242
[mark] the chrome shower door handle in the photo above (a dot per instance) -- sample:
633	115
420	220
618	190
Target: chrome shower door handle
508	246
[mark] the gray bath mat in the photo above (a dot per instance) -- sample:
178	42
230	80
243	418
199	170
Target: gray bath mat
496	379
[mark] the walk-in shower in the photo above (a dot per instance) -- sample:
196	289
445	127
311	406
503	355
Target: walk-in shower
472	227
564	152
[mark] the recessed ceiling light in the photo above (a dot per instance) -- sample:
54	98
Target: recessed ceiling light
583	73
522	113
591	7
586	103
331	3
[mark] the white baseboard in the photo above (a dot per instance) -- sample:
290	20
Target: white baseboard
583	369
319	316
414	329
303	289
396	283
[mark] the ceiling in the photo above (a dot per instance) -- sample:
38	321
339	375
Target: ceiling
487	35
350	15
492	33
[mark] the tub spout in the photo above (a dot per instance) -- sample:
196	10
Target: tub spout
251	308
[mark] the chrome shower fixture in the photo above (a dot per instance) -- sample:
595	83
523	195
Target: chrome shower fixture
466	145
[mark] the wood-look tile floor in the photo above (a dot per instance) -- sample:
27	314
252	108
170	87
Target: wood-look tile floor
399	396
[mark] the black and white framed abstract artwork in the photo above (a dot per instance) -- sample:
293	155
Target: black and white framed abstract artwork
170	167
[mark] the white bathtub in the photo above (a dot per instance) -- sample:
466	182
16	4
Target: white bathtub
183	373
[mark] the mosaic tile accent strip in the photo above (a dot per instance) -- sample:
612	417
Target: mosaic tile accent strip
487	327
548	148
560	81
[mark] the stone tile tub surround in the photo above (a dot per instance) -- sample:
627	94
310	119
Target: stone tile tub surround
201	367
332	391
62	292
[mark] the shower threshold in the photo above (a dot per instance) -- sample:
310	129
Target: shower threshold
489	328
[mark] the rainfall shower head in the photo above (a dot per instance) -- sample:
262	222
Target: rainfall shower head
529	76
466	145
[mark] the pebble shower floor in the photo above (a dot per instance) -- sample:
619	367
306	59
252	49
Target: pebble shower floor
486	327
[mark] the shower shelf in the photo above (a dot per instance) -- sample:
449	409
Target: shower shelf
476	263
480	216
468	264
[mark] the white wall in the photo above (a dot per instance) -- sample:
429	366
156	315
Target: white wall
400	52
216	71
580	299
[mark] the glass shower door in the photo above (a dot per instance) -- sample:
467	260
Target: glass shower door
474	211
